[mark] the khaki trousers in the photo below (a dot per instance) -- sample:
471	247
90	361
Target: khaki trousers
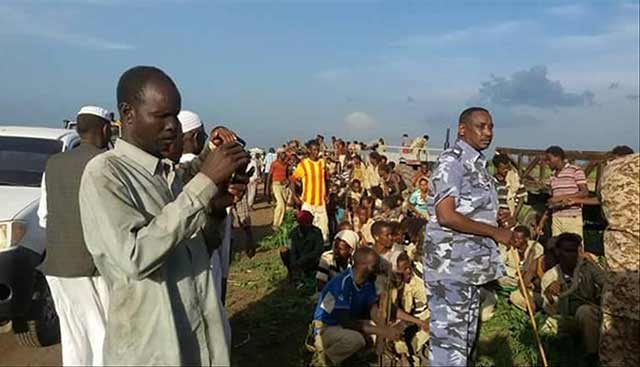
277	189
567	224
337	343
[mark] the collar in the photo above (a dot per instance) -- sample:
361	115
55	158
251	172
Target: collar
146	160
353	279
469	153
556	173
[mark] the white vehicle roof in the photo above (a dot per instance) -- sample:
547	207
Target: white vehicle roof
37	132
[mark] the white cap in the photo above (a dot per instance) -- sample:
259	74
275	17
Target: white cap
350	237
96	111
189	121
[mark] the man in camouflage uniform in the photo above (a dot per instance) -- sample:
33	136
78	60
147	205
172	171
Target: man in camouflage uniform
460	251
620	198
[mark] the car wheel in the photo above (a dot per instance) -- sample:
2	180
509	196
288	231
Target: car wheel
40	327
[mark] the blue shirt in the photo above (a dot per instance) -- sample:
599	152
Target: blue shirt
417	201
461	173
341	293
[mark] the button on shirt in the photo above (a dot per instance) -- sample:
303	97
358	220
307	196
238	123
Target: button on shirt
143	229
342	293
461	173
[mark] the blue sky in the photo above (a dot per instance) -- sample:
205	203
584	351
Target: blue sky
561	73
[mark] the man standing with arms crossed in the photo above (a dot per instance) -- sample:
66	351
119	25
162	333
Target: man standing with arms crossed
460	251
79	293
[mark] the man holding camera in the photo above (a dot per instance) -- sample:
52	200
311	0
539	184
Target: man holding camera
143	229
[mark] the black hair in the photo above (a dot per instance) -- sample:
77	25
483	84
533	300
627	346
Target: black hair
311	143
499	159
362	254
86	122
390	202
426	137
386	168
423	179
465	116
555	151
356	180
568	240
403	257
392	165
524	230
396	227
132	82
377	227
621	150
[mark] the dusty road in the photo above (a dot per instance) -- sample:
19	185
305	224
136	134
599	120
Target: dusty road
12	354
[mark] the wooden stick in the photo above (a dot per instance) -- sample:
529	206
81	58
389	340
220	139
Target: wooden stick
532	318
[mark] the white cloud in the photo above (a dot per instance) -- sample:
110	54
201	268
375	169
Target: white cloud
17	22
568	11
359	121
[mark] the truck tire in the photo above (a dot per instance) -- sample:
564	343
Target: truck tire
40	327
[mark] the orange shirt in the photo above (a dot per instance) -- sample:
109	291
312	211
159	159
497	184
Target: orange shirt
313	181
278	171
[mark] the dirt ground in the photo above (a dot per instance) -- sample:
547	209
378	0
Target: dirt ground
12	354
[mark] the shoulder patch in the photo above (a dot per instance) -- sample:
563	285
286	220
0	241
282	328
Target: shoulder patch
455	152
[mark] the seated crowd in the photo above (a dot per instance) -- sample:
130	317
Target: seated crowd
368	270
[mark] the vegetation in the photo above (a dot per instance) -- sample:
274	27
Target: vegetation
270	319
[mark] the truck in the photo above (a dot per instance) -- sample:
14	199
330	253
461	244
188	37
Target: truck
26	305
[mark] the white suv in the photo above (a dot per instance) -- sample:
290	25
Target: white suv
25	301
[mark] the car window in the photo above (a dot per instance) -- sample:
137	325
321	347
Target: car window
23	160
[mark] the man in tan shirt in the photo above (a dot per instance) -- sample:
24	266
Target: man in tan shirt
143	229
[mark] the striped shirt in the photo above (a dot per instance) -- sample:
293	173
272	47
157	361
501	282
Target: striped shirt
566	182
328	268
313	181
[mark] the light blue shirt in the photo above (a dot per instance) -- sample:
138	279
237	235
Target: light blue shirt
461	173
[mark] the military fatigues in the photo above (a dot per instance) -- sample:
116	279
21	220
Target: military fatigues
620	197
456	264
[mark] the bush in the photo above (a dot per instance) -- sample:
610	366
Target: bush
281	236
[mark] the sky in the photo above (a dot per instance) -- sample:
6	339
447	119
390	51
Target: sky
551	72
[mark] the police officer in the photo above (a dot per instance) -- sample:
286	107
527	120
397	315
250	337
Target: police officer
460	251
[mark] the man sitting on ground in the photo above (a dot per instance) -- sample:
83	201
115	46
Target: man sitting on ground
572	292
337	260
524	254
345	308
304	248
412	299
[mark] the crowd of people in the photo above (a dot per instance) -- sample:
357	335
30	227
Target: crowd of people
139	238
417	244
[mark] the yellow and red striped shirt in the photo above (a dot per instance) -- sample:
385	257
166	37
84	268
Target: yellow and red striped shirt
313	181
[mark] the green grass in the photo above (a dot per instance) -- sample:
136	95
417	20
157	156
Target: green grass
270	319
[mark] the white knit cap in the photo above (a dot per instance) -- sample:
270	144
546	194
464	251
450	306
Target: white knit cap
96	111
189	121
350	237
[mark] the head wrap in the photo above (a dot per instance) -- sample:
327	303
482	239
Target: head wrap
350	237
96	111
189	121
305	218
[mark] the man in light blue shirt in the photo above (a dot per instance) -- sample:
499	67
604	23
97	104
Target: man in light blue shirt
460	251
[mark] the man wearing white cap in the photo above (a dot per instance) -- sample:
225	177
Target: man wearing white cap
193	135
79	293
337	260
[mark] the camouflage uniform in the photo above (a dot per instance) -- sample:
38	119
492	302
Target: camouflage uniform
456	264
620	198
